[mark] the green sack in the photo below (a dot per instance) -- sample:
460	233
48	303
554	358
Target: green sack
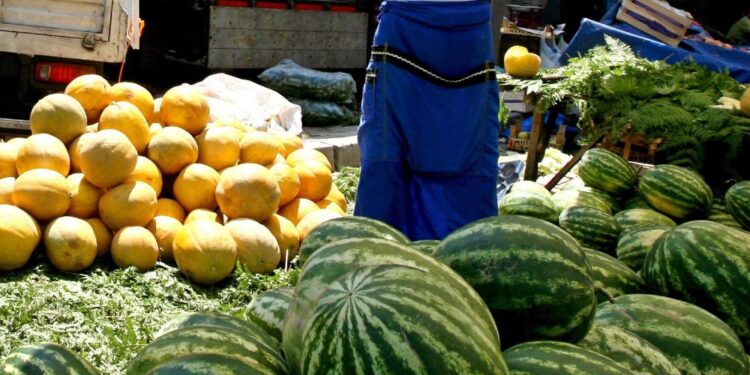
315	113
293	80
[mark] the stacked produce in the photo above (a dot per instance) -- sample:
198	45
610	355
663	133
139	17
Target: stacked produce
109	173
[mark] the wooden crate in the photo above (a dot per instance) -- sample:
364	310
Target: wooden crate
522	145
633	147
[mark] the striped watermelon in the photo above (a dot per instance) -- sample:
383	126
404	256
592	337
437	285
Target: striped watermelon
707	264
528	204
268	309
345	228
559	358
194	340
425	246
534	276
642	216
591	227
636	242
605	197
720	214
677	192
531	187
393	319
607	171
612	278
45	359
737	200
571	198
635	202
210	319
628	349
696	341
332	261
207	364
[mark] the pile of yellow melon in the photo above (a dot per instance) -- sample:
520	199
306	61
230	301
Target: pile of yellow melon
109	171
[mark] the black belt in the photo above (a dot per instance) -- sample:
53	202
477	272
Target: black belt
393	56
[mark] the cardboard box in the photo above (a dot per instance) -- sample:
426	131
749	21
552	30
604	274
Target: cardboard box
656	18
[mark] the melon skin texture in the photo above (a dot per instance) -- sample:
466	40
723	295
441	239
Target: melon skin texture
59	115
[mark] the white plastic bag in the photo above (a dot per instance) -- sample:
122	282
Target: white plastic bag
232	98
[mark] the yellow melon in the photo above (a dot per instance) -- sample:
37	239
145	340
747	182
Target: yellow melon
19	236
745	102
107	158
84	202
164	229
154	128
43	151
186	107
8	155
337	196
288	182
93	92
203	214
58	115
298	209
93	128
156	116
308	154
289	143
146	171
315	179
218	147
128	204
327	204
172	149
519	62
234	124
103	236
74	151
170	207
249	191
195	187
136	95
257	248
126	118
6	190
286	236
18	141
43	193
204	251
135	247
259	148
279	160
309	222
70	244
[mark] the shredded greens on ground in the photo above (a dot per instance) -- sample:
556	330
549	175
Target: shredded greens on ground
106	314
618	92
347	182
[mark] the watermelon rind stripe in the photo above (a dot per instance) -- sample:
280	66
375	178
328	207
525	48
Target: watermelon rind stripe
269	308
607	171
612	276
552	357
206	364
677	192
737	200
528	204
636	242
45	358
592	228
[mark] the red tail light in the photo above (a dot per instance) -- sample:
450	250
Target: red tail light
60	73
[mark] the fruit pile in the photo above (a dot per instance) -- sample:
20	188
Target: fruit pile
109	171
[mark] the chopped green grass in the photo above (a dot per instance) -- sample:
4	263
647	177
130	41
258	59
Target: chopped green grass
107	314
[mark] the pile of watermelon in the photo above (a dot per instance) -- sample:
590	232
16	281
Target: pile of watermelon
626	275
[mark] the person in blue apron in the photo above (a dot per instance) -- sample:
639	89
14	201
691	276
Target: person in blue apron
429	129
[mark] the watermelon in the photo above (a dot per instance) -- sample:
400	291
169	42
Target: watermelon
559	358
707	264
210	319
591	227
607	171
635	243
635	202
193	340
45	359
737	200
696	341
425	246
345	228
525	269
605	197
334	260
628	349
208	364
394	319
531	187
571	198
612	278
269	308
720	214
642	216
677	192
528	204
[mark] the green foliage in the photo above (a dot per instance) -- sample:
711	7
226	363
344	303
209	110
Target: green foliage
347	181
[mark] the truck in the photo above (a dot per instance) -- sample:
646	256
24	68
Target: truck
44	44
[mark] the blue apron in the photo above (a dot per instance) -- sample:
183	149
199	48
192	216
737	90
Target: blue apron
429	129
